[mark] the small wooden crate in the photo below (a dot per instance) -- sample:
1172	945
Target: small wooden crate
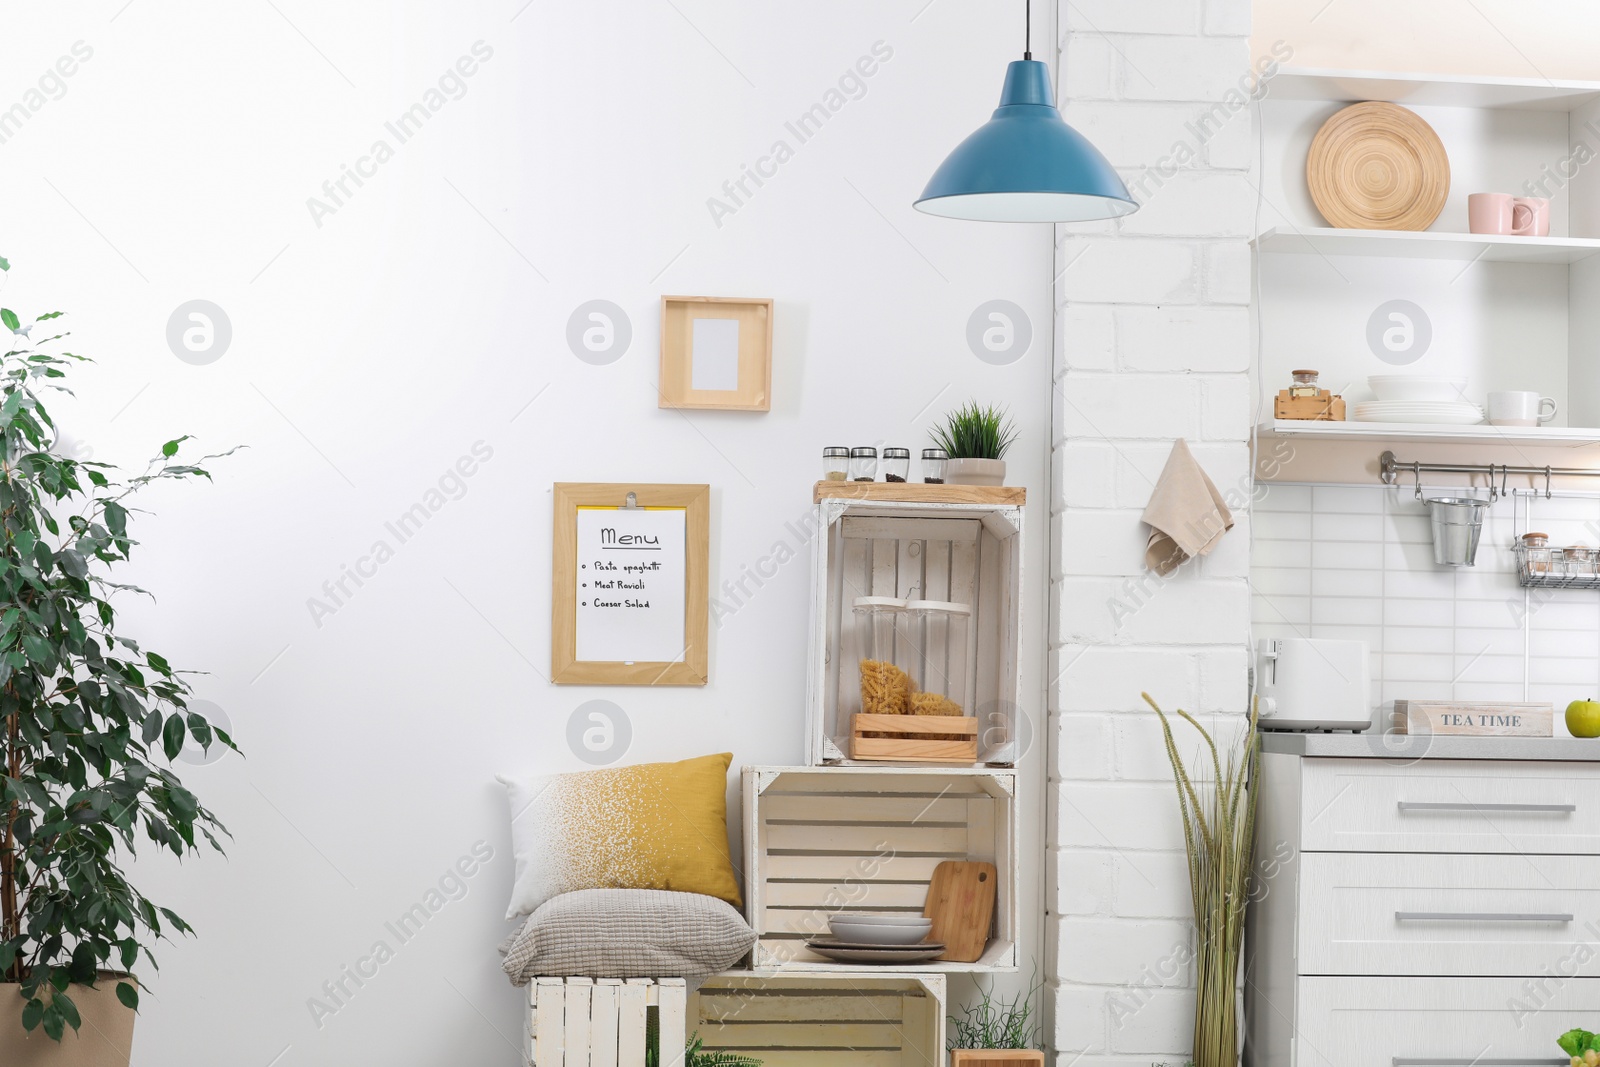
1473	718
867	839
1324	407
956	543
600	1022
971	1057
908	739
876	1019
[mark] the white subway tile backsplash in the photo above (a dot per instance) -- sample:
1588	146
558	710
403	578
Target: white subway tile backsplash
1356	563
1356	583
1346	499
1341	527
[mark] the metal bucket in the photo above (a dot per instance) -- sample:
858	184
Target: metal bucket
1457	527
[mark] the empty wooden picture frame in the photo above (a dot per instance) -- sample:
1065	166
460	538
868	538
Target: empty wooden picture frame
716	352
630	586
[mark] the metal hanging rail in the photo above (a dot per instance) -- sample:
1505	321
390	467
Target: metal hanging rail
1390	469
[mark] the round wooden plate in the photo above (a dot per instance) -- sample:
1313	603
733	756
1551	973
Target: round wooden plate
1377	166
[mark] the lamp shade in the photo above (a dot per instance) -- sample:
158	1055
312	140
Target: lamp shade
1026	164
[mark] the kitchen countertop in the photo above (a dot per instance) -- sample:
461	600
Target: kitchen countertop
1373	745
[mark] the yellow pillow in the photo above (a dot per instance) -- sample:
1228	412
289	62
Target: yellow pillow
650	826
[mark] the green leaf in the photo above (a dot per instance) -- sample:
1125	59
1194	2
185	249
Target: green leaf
54	1023
170	449
172	736
128	994
5	264
9	318
32	1012
68	1010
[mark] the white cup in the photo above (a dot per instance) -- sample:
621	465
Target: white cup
1520	408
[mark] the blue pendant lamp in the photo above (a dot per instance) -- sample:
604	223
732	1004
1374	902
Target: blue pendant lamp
1026	164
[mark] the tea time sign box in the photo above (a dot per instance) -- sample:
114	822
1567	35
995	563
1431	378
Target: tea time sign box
1459	718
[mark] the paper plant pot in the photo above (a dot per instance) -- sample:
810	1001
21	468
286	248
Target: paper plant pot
104	1040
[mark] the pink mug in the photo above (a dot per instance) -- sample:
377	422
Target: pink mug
1492	213
1530	216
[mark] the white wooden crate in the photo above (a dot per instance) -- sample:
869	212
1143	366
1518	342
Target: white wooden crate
876	1019
867	839
961	552
600	1022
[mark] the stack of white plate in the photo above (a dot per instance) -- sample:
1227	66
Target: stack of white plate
1440	413
1417	398
886	939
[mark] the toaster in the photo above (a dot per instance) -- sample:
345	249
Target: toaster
1312	683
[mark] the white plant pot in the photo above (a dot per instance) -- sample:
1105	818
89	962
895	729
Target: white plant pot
975	472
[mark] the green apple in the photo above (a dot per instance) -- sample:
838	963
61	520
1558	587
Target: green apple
1583	718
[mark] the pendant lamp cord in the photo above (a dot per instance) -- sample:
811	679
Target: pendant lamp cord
1027	41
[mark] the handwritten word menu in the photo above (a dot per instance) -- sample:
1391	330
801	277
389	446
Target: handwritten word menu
632	575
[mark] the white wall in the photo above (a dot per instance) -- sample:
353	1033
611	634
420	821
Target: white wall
428	313
1154	344
1507	38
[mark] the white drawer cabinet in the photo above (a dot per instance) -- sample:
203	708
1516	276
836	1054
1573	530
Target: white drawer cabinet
1411	912
1401	914
1463	1022
1370	805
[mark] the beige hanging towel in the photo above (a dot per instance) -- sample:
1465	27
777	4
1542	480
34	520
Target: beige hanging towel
1186	514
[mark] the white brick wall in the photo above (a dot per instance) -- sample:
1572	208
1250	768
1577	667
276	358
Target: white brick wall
1152	343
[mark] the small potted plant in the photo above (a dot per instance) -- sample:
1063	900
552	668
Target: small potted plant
997	1033
90	723
976	439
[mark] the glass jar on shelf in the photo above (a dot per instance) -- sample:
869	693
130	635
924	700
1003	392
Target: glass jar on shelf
886	654
933	464
1536	553
835	463
941	630
896	464
863	464
1305	383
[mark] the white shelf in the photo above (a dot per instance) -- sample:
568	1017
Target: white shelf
1427	244
1436	90
1567	436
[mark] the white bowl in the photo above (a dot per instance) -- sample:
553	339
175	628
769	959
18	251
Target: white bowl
880	929
1417	387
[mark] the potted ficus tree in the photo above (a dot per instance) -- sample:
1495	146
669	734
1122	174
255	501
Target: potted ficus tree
976	439
89	725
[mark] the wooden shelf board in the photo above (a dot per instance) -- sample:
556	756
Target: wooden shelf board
1431	90
1427	244
999	956
921	493
1570	436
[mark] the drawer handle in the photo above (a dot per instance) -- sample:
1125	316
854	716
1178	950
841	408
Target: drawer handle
1475	1061
1480	916
1559	809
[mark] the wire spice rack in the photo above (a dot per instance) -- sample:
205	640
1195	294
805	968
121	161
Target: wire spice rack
1556	567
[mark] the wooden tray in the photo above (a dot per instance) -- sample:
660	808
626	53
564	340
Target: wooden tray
910	742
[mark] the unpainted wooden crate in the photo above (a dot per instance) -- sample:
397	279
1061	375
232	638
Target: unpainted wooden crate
948	549
601	1022
876	1019
867	839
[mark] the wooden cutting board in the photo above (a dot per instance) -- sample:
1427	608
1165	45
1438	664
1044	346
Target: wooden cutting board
961	905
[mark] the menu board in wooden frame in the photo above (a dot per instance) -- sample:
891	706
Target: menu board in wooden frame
631	592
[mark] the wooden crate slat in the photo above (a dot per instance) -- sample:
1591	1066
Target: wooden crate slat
884	528
813	922
846	896
603	1017
579	995
855	580
549	1021
831	1058
882	809
853	869
672	1021
758	1036
632	1007
885	567
731	1006
788	837
904	750
870	783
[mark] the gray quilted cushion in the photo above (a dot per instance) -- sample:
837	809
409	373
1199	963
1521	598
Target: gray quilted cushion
628	933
